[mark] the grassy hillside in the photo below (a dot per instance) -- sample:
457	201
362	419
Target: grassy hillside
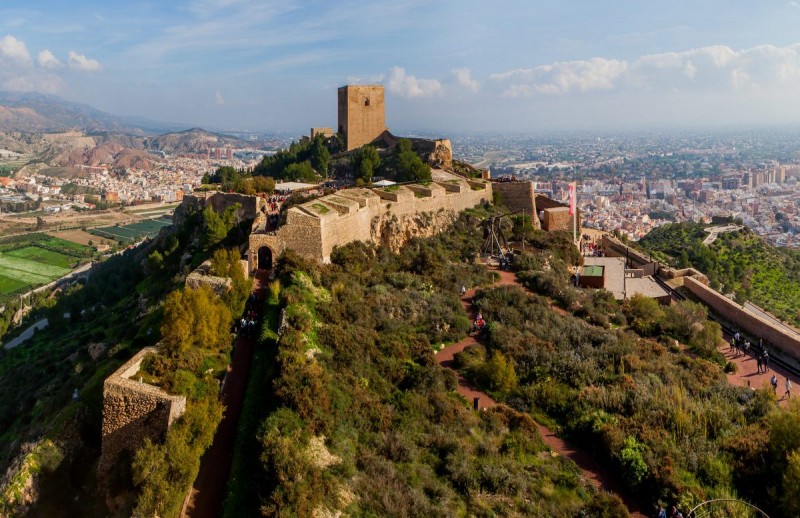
737	262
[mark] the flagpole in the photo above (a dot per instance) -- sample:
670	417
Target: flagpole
574	203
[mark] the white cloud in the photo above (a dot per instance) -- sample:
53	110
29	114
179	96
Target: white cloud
14	50
219	100
81	62
46	59
464	78
563	77
718	68
404	85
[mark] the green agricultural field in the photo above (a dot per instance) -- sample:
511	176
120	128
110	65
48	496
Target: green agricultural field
35	259
44	256
8	285
30	271
134	231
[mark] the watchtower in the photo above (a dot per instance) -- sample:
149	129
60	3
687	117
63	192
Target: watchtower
362	114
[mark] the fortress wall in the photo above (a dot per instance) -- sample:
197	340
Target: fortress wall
346	229
519	196
616	248
744	318
302	233
251	205
133	411
391	217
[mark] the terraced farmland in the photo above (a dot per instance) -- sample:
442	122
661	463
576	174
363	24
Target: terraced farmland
134	231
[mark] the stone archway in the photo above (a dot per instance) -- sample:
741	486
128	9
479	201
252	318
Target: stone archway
264	258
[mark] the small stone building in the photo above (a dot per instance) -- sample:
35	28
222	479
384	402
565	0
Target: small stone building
134	411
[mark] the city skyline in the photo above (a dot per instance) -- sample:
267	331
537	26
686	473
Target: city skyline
450	66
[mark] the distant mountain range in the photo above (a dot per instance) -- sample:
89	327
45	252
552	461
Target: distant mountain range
34	112
62	134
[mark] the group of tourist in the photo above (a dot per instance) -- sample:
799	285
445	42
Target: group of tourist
740	346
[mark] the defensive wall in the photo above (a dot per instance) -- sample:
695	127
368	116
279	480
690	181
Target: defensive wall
219	201
133	411
744	318
389	216
638	259
518	196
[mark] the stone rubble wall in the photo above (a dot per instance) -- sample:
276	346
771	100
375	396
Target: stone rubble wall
744	318
133	411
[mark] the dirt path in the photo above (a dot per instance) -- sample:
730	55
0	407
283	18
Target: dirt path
591	469
208	491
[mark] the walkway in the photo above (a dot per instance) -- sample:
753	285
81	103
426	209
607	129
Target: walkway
208	491
713	232
592	470
747	374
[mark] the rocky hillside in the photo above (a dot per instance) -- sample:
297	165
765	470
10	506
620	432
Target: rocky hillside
195	140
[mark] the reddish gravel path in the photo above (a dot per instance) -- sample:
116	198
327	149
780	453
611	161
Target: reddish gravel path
592	470
208	491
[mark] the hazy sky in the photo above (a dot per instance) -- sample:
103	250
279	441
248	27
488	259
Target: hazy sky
448	65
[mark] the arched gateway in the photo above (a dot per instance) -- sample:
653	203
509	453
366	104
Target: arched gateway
264	259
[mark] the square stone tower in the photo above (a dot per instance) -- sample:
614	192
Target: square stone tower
362	114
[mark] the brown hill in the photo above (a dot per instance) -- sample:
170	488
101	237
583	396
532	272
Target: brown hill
195	140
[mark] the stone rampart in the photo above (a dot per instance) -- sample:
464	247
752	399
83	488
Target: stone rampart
518	196
219	201
133	411
744	318
390	216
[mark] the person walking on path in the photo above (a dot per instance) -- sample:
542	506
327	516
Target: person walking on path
788	393
463	290
774	382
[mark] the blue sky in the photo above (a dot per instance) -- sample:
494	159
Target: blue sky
449	66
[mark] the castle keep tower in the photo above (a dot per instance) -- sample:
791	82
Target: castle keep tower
362	114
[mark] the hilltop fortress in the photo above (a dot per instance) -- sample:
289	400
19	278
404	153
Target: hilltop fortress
388	215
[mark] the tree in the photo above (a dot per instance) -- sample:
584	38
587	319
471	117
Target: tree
410	167
194	318
320	157
217	225
500	375
366	161
646	314
299	171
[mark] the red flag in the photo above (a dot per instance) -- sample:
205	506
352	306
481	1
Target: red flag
572	199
